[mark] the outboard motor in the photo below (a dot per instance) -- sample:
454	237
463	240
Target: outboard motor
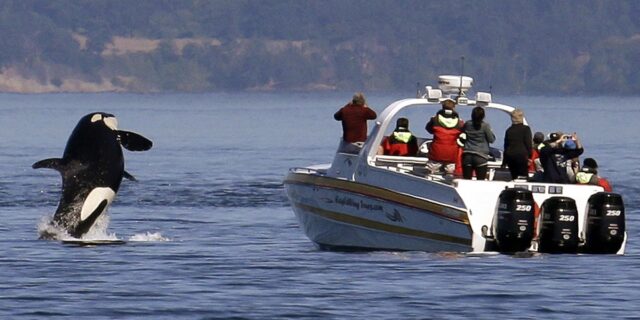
605	225
559	228
513	223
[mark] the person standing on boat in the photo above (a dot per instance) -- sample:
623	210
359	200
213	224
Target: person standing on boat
517	146
401	142
475	138
354	118
555	154
445	127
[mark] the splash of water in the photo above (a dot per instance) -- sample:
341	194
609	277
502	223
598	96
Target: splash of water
48	230
148	237
99	229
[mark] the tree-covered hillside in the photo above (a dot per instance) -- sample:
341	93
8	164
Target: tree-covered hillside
516	46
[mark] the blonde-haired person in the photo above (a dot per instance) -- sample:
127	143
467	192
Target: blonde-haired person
517	146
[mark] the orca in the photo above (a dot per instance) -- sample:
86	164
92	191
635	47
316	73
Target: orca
92	168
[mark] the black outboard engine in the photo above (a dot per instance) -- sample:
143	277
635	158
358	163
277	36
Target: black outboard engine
605	225
513	223
559	228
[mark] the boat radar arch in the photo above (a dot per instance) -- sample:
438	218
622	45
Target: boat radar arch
455	84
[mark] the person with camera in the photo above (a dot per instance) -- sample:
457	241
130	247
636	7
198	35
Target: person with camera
555	156
354	118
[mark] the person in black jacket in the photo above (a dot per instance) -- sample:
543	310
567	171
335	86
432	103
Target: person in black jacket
555	154
517	146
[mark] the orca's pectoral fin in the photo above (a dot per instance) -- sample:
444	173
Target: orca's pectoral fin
129	177
133	141
52	163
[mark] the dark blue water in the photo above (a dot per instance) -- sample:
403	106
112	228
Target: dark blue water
211	236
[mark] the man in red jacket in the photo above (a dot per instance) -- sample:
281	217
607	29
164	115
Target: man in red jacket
445	127
354	118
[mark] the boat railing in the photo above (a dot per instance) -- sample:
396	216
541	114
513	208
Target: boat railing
308	170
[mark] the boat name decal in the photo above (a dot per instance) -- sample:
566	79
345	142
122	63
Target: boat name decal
347	201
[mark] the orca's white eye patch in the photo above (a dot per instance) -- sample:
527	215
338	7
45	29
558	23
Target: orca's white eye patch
96	117
111	122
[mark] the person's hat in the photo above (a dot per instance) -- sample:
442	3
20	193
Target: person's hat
590	163
555	136
538	137
402	123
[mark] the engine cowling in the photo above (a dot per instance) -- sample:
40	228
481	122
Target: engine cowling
512	225
605	223
559	226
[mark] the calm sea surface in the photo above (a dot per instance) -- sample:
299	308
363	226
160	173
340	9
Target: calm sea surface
211	235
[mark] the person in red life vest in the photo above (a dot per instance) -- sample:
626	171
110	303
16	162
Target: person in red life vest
401	142
589	175
354	118
535	166
445	127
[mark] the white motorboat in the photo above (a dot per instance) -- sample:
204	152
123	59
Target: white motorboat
379	202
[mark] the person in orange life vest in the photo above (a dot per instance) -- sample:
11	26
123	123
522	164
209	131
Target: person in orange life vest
534	165
401	142
354	118
445	127
588	174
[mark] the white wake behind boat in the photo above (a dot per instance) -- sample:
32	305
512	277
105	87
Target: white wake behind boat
379	202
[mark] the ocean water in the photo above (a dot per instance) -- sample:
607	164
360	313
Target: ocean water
210	234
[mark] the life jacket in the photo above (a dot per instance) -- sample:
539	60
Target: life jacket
402	136
399	144
458	170
585	177
589	176
444	148
535	154
605	184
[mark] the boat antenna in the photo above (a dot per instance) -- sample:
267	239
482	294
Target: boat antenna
461	74
418	90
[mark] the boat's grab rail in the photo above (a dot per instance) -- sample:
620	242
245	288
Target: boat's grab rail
308	170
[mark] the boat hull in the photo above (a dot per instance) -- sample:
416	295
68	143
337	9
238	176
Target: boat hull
339	214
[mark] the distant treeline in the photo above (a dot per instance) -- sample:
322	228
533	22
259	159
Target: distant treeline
515	46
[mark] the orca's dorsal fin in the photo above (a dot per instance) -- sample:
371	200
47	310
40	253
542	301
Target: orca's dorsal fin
52	163
133	141
128	176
